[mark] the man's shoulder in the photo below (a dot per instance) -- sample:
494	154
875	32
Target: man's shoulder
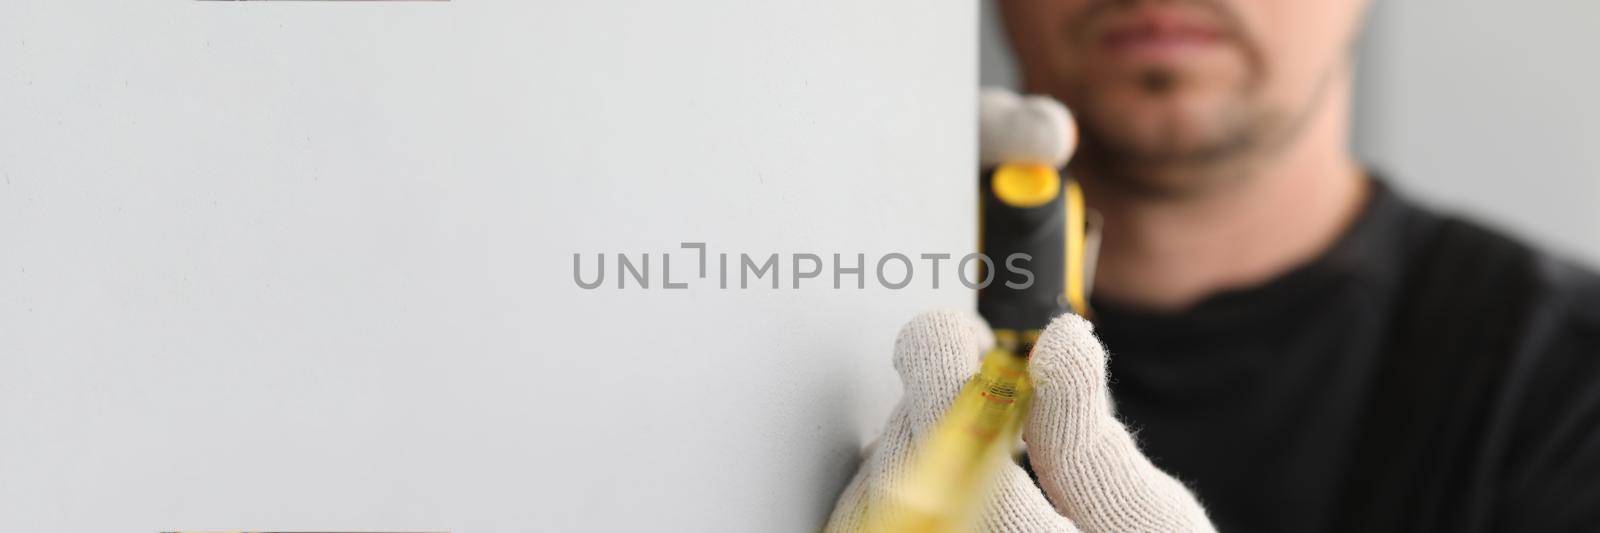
1572	286
1544	281
1498	358
1539	309
1479	295
1471	255
1545	402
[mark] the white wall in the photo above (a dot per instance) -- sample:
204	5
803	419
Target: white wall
1482	107
308	265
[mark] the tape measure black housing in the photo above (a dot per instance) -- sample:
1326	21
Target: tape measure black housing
1038	232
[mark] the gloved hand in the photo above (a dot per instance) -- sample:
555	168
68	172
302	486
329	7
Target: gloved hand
1087	462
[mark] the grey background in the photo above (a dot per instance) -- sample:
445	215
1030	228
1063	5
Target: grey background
1474	106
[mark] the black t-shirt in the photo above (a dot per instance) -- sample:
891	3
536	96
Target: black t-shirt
1299	405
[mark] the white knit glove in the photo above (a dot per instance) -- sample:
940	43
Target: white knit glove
1087	462
1023	129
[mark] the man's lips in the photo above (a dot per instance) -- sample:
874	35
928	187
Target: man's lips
1156	35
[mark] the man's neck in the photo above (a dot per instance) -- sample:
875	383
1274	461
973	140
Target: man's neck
1167	254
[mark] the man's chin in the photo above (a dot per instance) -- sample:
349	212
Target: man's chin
1172	159
1165	182
1170	140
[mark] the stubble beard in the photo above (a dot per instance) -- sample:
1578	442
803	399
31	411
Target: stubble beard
1179	156
1219	150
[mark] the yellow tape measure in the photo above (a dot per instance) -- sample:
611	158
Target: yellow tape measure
954	465
1077	260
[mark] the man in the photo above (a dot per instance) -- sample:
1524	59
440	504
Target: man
1294	343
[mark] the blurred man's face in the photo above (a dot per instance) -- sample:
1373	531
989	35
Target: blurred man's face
1164	86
